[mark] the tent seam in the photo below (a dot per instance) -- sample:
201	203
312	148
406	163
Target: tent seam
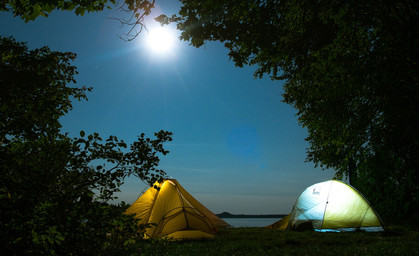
327	203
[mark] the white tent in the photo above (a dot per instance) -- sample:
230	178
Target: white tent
331	205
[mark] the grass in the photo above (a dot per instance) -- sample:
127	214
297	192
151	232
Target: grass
261	241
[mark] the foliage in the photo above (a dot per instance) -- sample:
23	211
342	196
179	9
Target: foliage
133	11
350	69
54	190
33	90
30	10
390	196
137	10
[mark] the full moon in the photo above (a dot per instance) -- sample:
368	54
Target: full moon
161	39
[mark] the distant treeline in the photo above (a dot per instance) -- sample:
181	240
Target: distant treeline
229	215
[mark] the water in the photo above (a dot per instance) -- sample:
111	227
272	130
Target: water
250	222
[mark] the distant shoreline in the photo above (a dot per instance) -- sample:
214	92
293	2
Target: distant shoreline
227	215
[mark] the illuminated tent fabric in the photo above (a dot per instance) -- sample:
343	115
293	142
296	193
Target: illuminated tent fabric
331	205
280	224
176	213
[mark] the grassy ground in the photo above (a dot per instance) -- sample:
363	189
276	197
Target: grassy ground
261	241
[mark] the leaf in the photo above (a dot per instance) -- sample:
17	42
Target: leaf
80	10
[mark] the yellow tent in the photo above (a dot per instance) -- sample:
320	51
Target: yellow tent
175	213
280	224
331	205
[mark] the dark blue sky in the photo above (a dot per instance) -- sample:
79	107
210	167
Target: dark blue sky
236	147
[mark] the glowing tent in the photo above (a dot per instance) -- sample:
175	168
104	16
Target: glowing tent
331	206
176	213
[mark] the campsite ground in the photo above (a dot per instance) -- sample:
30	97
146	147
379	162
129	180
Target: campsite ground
261	241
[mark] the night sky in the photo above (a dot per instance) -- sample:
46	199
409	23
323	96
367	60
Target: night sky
236	147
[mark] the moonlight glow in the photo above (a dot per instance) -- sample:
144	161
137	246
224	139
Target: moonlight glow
161	40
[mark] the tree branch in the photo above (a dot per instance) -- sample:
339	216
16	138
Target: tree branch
136	20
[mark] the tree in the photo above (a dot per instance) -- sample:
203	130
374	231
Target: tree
54	190
29	10
350	69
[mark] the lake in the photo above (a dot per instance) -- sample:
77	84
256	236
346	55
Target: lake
250	222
